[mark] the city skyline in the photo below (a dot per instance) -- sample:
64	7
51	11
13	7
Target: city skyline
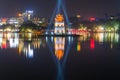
45	8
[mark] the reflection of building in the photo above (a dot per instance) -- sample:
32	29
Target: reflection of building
106	37
3	43
26	49
78	47
26	46
59	47
9	40
59	25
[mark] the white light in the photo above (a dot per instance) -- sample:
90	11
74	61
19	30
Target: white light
52	33
69	32
46	32
30	54
14	43
52	39
46	39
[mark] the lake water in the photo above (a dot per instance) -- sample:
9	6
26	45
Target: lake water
93	56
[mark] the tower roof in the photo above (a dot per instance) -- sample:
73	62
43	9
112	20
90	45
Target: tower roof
59	18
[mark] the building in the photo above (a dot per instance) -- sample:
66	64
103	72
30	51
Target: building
59	25
3	21
14	21
26	16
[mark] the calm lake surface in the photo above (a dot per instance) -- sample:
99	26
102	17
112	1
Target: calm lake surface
93	56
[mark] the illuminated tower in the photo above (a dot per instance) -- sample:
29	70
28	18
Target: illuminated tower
59	25
59	47
60	16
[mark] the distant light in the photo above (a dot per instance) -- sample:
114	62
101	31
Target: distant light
78	16
69	32
46	32
4	19
29	11
101	28
92	19
19	14
1	24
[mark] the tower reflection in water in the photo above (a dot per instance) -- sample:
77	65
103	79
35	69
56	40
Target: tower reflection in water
62	46
59	45
26	45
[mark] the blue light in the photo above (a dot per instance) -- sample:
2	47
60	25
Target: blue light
58	9
29	11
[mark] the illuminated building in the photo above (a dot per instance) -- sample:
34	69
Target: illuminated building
37	21
59	25
14	21
27	16
3	21
59	47
20	18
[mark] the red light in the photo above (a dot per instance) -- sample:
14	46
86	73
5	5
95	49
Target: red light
4	46
4	19
92	19
92	44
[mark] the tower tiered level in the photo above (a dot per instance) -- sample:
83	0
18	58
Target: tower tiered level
59	25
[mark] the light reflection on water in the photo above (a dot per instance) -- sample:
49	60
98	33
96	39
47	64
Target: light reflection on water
27	45
59	47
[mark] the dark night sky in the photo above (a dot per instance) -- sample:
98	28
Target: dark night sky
43	8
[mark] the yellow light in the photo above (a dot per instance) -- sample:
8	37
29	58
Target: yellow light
19	14
59	54
78	16
59	18
29	30
78	47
